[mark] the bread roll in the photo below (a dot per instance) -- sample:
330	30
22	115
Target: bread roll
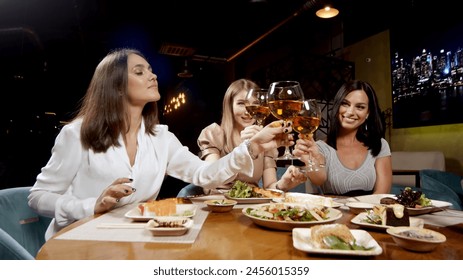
319	232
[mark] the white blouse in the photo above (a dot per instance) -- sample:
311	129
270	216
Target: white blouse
68	186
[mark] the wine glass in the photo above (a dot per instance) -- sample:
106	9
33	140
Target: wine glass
285	101
256	104
306	122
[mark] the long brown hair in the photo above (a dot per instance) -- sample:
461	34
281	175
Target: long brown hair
104	107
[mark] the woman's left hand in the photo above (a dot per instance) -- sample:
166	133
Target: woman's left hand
291	178
112	194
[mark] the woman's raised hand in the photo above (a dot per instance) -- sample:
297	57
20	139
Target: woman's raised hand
303	148
271	136
112	195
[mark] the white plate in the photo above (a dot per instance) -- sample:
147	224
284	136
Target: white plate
359	207
359	220
311	199
183	210
437	205
170	231
302	241
250	200
333	215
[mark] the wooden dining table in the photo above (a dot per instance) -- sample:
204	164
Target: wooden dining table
234	236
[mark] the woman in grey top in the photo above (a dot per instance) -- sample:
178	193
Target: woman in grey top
356	156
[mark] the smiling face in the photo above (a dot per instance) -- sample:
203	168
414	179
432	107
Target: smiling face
354	110
240	116
142	82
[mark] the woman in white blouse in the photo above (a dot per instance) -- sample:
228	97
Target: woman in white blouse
115	152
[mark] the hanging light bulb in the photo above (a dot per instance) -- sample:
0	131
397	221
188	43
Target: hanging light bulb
186	71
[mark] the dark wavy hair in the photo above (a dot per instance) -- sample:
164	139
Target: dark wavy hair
370	132
104	108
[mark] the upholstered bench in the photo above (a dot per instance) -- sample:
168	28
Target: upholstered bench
407	164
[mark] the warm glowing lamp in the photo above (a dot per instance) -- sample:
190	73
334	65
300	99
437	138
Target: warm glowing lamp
327	12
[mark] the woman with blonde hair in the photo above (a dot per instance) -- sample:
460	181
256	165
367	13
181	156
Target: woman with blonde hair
216	141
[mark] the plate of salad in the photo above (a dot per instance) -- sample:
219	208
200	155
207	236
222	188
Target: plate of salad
286	216
248	193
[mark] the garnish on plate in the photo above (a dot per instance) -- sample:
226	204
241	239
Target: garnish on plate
409	198
336	237
242	189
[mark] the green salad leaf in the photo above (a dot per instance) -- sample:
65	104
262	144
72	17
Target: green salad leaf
240	190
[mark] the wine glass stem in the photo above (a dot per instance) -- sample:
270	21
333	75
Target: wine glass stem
311	165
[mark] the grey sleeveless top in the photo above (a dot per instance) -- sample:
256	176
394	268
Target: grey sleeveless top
341	179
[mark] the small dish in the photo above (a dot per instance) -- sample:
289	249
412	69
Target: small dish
201	198
186	224
359	207
416	239
220	205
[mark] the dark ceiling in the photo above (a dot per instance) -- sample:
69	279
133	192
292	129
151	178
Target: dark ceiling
55	44
217	29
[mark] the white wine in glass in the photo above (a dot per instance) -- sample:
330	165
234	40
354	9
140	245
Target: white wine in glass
256	105
306	122
285	101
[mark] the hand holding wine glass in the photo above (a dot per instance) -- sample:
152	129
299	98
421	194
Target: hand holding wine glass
256	105
306	122
285	101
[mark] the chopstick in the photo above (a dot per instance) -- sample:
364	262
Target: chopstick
126	226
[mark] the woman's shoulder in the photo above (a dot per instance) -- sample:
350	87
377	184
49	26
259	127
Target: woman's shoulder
213	127
162	130
384	142
322	144
72	127
385	148
210	132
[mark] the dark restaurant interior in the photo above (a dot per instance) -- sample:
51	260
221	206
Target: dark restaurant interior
49	49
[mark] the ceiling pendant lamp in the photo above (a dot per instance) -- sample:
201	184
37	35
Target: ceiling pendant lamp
327	12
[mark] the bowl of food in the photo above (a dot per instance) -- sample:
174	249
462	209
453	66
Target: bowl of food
416	239
359	207
220	205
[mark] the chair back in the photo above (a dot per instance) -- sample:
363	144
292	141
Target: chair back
10	249
21	222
